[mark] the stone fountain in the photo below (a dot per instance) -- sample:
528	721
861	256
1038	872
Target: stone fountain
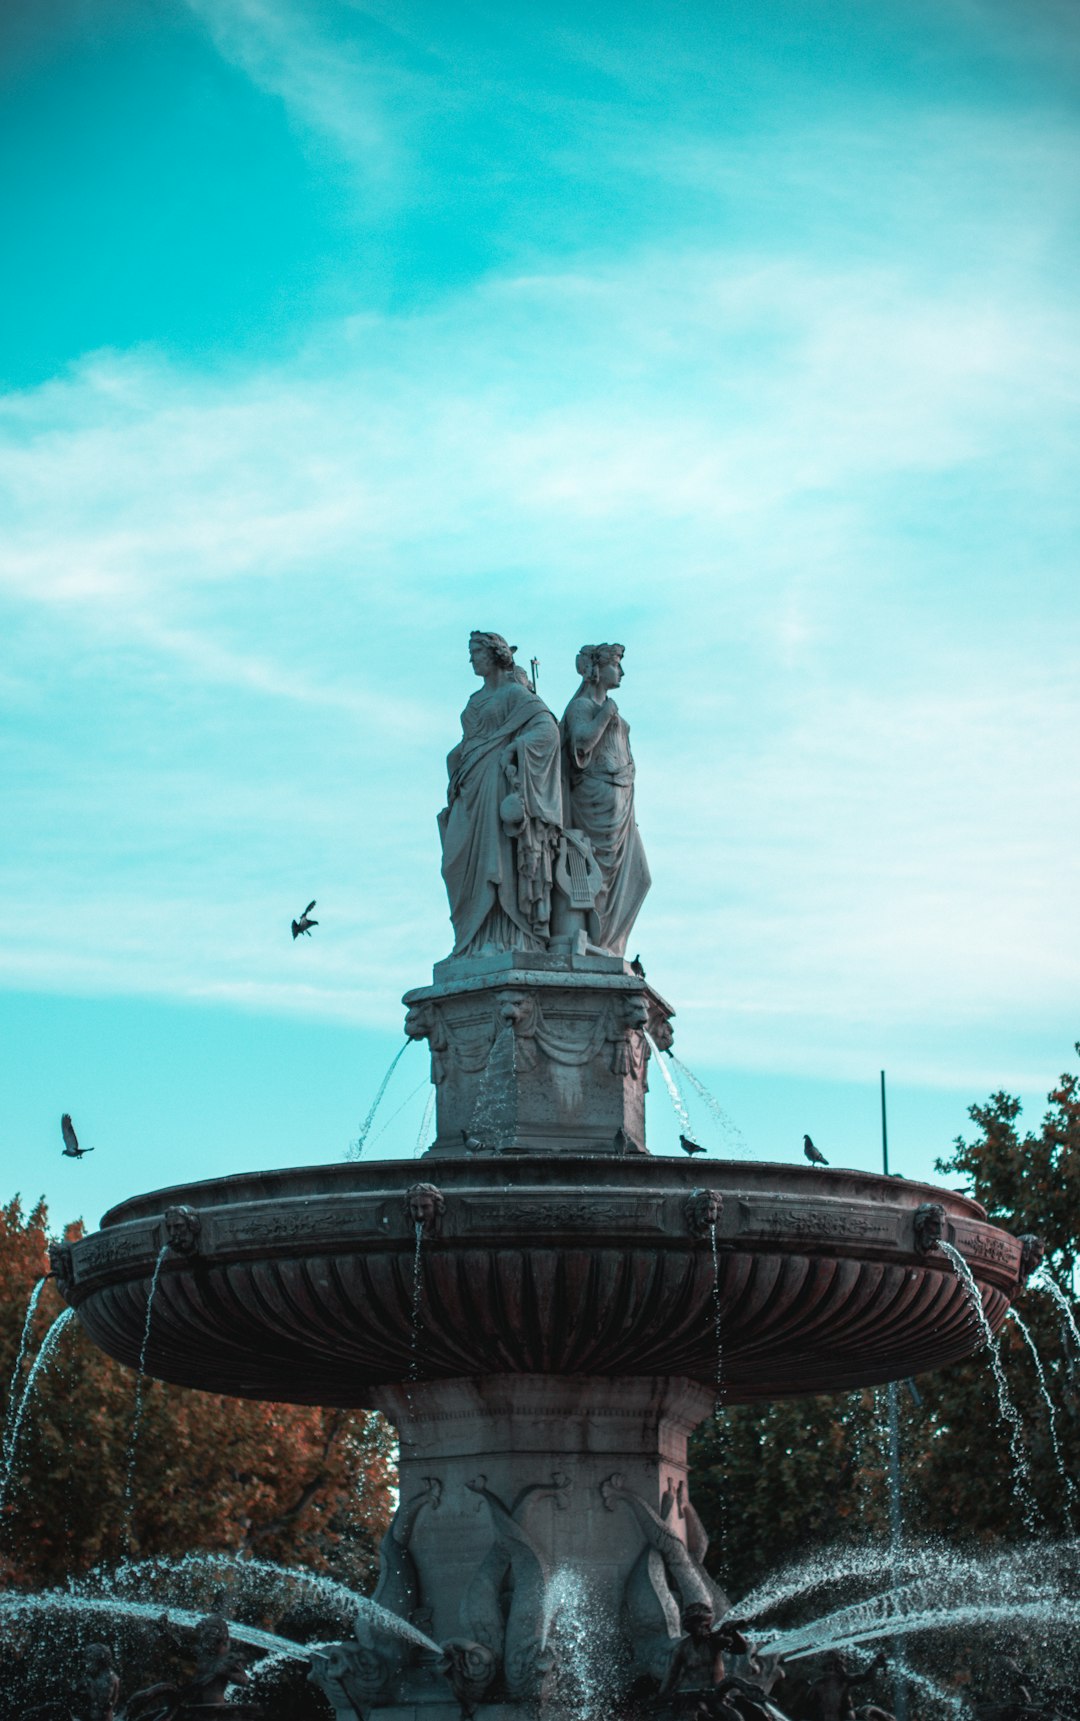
544	1309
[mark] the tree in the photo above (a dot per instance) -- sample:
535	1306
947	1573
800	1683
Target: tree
281	1482
776	1481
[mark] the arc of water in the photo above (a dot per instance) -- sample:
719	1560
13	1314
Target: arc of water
1042	1281
21	1607
425	1125
1051	1414
1010	1416
672	1086
14	1395
357	1147
396	1113
181	1577
135	1574
726	1125
48	1346
136	1422
1048	1613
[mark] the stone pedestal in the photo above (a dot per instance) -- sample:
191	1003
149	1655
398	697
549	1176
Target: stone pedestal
550	1448
539	1053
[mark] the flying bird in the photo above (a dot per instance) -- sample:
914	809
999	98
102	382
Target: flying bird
813	1154
638	967
72	1150
305	923
688	1146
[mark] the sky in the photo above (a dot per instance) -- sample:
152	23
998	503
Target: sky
746	335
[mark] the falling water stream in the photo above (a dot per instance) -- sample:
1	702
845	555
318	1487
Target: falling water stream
357	1147
1043	1282
1051	1415
136	1421
718	1330
41	1361
396	1113
417	1286
730	1133
14	1395
493	1124
1010	1416
672	1086
425	1125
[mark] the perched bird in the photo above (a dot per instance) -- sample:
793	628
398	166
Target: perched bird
305	923
688	1146
72	1150
813	1154
638	967
471	1143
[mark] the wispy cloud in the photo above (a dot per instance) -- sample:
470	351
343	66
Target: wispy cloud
331	86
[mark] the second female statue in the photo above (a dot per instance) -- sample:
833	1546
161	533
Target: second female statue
503	817
600	797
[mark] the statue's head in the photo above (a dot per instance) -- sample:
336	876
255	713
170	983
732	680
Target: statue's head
601	664
489	651
211	1636
1032	1251
929	1225
182	1228
704	1208
97	1659
698	1619
61	1265
425	1205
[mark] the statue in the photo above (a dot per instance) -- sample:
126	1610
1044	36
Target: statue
502	822
829	1698
697	1680
600	775
98	1688
219	1663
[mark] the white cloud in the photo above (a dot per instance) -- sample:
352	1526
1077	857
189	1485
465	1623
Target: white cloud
851	797
330	87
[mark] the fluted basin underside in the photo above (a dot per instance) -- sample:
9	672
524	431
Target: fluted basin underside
301	1286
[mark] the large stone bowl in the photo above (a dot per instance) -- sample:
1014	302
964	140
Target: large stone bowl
324	1284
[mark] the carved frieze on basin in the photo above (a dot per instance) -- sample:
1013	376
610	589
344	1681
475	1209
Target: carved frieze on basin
303	1288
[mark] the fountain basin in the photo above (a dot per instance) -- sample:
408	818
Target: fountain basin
300	1286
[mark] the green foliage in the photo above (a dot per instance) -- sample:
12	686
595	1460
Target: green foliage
280	1482
774	1482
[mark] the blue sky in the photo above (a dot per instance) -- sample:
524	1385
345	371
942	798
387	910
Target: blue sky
745	334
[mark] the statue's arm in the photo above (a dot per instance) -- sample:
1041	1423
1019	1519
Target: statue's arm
586	722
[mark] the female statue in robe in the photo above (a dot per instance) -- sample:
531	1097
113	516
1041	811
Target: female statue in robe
600	775
503	817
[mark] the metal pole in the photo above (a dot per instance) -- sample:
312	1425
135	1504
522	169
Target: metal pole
896	1517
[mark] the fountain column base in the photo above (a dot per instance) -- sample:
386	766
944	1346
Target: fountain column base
547	1453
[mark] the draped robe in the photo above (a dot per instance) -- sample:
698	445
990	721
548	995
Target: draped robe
600	773
498	874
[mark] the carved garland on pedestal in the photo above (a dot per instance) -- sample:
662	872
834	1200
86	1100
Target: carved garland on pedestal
616	1030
